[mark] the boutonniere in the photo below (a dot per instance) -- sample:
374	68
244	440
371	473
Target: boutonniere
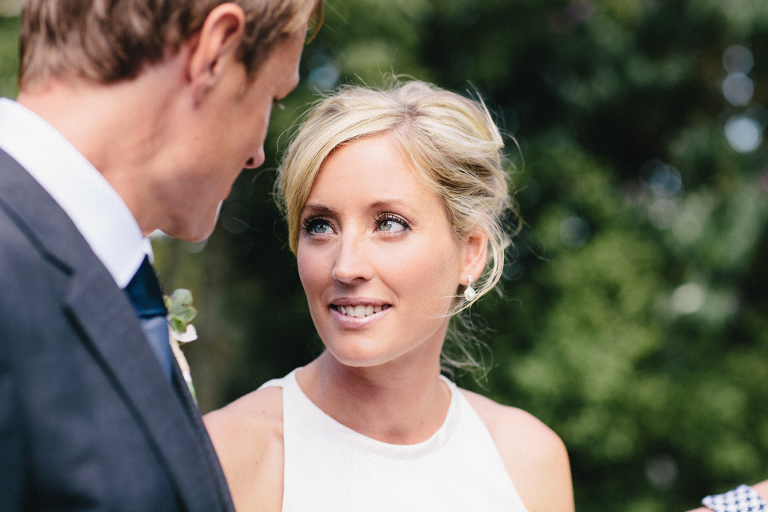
180	314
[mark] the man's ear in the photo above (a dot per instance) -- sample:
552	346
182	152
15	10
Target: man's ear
475	254
215	47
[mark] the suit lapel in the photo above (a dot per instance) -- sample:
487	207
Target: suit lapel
205	441
117	338
105	318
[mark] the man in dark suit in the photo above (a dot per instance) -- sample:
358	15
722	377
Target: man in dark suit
133	115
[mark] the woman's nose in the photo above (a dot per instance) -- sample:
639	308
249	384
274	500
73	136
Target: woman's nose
352	260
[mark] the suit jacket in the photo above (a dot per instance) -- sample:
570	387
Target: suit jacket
88	419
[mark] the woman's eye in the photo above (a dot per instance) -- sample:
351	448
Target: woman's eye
317	226
392	224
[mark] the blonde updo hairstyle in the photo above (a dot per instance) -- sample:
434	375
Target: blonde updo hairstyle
452	142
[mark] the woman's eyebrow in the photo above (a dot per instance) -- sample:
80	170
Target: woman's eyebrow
318	208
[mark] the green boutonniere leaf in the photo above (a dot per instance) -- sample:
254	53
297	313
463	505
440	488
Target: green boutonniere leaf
180	310
180	314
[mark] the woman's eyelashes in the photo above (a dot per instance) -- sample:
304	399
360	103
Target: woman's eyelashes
316	225
390	222
383	222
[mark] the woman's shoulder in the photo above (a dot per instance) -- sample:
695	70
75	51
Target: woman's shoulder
517	432
534	455
502	417
248	437
260	410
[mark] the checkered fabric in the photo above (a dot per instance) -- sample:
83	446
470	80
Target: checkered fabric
741	499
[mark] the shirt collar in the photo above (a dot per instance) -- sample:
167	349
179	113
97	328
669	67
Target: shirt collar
95	208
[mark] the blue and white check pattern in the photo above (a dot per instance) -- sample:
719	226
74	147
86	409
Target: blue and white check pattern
741	499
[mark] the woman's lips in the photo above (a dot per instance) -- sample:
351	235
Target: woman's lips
359	310
356	315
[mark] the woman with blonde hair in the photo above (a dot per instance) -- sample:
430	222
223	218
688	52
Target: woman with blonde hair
394	201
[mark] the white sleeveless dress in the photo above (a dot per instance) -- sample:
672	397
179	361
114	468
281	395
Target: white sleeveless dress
330	467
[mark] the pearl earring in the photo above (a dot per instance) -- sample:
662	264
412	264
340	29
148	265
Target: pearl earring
469	292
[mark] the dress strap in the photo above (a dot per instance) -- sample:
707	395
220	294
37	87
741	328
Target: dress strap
742	499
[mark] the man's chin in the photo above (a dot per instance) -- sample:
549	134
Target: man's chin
197	235
192	231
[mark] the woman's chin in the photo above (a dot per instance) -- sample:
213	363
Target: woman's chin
365	353
358	357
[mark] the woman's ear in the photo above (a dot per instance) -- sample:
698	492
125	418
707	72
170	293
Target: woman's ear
475	254
215	47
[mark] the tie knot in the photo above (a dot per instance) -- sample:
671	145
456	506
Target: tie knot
145	293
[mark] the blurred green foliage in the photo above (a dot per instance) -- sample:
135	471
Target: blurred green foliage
634	312
9	56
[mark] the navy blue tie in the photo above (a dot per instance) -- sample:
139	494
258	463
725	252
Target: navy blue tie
146	296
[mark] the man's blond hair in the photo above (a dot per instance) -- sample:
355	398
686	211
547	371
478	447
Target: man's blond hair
107	41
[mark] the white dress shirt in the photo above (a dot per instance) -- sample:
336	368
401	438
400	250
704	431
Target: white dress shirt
88	199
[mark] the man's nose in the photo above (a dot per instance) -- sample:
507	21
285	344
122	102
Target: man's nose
256	160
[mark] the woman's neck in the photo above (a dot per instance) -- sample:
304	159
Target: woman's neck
396	403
